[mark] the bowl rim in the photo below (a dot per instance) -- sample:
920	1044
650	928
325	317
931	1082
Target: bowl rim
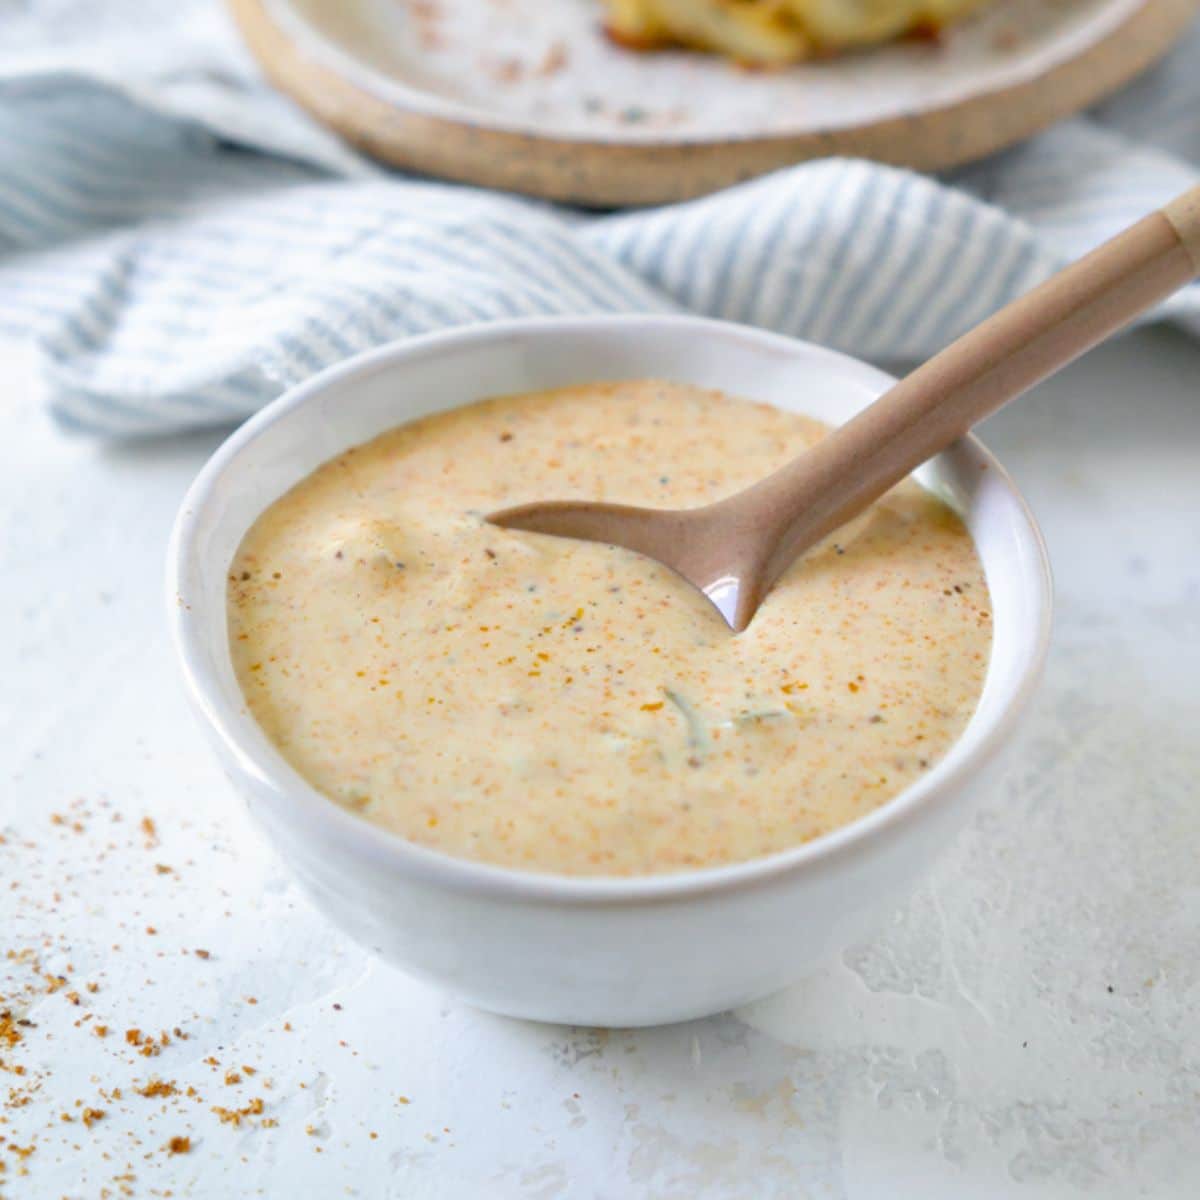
297	800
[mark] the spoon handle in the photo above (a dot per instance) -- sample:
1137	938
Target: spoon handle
1016	348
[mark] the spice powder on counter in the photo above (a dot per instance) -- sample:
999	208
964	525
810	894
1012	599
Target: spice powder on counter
563	706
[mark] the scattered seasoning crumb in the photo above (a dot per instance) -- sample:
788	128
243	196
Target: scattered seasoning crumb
8	1029
202	954
554	60
157	1087
100	1031
90	1116
179	1145
234	1116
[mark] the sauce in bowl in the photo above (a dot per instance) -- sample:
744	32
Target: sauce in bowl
569	707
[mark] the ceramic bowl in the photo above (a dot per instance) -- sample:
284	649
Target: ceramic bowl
602	951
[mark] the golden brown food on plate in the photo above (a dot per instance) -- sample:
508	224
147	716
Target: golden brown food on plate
776	32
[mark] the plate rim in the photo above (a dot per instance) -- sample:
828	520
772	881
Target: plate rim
607	171
290	17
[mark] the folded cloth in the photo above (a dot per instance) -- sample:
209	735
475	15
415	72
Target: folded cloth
182	244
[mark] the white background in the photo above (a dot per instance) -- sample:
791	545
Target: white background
1027	1027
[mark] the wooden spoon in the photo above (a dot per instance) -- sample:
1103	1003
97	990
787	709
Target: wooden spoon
735	549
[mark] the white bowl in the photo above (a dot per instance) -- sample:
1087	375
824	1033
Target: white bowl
604	951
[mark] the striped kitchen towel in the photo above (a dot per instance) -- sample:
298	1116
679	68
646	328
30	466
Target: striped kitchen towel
181	245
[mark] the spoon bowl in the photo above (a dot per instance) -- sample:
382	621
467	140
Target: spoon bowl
686	540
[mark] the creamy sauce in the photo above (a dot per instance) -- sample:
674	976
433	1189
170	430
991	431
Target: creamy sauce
564	706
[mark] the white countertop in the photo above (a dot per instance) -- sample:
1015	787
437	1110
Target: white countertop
1029	1026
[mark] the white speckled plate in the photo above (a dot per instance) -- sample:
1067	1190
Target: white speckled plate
526	80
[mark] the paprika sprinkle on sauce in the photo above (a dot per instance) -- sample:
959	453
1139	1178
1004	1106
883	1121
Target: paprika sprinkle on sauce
563	706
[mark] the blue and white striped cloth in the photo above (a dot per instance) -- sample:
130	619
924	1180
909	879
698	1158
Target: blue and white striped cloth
181	245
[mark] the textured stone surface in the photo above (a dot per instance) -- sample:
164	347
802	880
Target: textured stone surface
1026	1027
